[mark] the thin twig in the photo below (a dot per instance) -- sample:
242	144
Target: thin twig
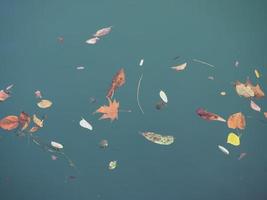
203	62
137	93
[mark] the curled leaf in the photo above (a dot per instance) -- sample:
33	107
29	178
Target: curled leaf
44	103
37	121
3	95
254	106
117	81
158	138
208	115
24	120
9	123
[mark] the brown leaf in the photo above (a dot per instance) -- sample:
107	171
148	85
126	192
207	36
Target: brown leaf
236	120
9	123
117	81
109	112
24	120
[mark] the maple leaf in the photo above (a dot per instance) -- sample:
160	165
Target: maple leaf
110	111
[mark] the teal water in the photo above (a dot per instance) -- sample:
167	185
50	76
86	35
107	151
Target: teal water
219	32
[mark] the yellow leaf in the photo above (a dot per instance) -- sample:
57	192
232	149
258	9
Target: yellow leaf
44	104
37	121
233	139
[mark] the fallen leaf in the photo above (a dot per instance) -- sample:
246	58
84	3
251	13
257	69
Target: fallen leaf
34	129
208	115
37	121
9	123
254	106
179	67
93	40
44	103
257	74
236	120
24	120
163	96
85	124
117	81
3	95
56	145
158	138
233	139
103	32
223	149
109	112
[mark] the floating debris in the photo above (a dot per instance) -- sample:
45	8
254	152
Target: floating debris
211	78
203	62
53	157
3	95
158	138
180	67
141	62
9	122
163	96
223	93
242	155
38	94
103	144
223	149
112	165
80	68
60	39
38	121
257	74
85	124
137	93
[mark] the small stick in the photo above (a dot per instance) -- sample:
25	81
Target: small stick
203	62
137	93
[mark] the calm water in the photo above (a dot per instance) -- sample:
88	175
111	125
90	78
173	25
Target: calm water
219	32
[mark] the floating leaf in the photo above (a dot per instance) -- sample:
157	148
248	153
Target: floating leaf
34	129
109	112
44	103
38	121
158	138
85	124
9	123
233	139
244	90
257	91
163	96
208	115
236	120
254	106
257	74
117	81
179	67
103	32
112	165
93	40
24	120
3	95
223	149
56	145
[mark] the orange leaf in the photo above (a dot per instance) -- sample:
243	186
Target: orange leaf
109	112
9	123
3	95
236	120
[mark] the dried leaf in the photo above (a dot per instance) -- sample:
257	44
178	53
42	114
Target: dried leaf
44	103
254	106
37	121
3	95
244	90
9	123
257	91
179	67
24	120
208	115
158	138
102	32
117	81
109	112
34	129
236	120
